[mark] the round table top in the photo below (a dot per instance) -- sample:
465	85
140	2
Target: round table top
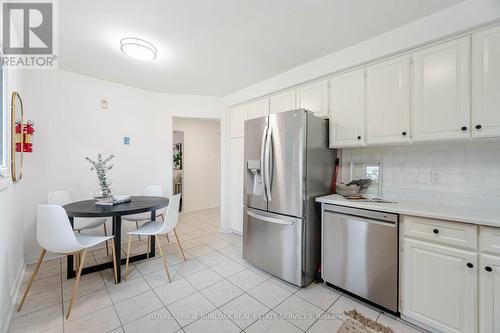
138	204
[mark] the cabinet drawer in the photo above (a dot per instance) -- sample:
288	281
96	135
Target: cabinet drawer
489	239
444	232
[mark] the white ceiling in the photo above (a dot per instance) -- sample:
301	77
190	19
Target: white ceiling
214	47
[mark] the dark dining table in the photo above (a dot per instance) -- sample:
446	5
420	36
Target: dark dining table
88	208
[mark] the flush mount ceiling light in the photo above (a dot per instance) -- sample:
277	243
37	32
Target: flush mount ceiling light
138	49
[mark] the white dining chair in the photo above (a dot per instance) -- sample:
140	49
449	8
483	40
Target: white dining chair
54	234
150	190
156	228
61	198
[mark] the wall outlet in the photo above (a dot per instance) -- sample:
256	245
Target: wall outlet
435	176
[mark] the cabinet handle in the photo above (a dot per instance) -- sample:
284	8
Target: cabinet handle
464	128
436	231
488	268
404	133
478	127
359	137
470	265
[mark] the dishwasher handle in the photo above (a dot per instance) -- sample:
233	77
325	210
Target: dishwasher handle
368	214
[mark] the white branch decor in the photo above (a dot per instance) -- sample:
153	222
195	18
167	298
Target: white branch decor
101	167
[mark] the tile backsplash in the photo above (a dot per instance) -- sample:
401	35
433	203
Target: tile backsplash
459	173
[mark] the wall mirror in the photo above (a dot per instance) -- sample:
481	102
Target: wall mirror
17	121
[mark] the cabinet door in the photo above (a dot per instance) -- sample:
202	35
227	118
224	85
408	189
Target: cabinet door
258	108
388	101
238	116
486	83
347	94
439	289
284	101
441	103
489	294
236	184
314	97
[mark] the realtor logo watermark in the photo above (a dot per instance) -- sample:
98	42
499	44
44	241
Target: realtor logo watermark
28	34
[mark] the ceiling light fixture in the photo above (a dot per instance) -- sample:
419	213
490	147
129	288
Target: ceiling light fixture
138	49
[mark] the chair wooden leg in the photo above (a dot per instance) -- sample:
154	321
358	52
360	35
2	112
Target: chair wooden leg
33	275
148	246
179	243
164	259
114	260
106	234
77	282
128	256
77	261
137	226
163	220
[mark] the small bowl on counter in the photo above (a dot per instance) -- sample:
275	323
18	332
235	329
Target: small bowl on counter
347	190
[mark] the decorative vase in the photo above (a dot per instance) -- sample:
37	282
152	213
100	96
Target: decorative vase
101	167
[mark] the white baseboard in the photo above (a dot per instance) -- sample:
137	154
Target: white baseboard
14	295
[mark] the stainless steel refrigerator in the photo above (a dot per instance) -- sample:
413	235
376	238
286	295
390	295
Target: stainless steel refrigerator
287	165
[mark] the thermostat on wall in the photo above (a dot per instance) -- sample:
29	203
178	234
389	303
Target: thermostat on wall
104	104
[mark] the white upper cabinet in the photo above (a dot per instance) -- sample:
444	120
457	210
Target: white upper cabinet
486	83
259	108
238	116
489	294
440	286
281	102
314	97
388	101
441	82
347	103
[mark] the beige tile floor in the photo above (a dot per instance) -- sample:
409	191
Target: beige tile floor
216	290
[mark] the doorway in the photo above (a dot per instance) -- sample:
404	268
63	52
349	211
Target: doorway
196	166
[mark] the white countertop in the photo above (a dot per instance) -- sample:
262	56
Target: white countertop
467	214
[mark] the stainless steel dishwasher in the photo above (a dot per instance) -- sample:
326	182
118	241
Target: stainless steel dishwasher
360	253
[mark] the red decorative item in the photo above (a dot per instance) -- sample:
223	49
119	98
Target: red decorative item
334	176
18	137
28	131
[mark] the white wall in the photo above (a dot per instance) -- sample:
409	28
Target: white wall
201	176
70	125
11	231
460	18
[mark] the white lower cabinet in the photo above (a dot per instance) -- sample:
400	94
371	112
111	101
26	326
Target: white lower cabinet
439	286
489	293
236	185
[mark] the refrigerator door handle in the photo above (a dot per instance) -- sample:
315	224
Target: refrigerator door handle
267	174
263	158
269	219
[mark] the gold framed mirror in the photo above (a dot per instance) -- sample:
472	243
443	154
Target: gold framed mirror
16	133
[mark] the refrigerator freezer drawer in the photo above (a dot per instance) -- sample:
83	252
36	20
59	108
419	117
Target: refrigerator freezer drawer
273	243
